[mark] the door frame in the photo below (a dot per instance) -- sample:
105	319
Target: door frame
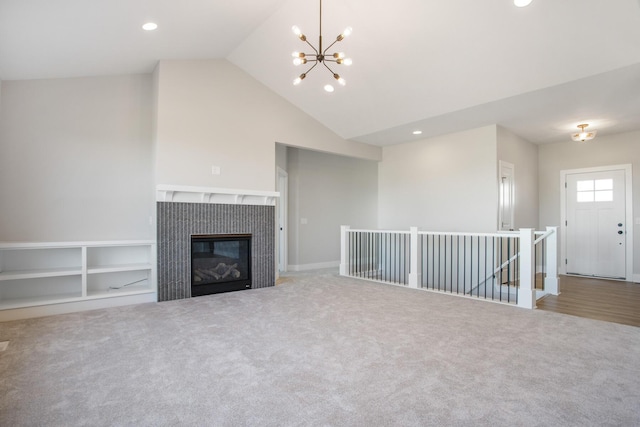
282	178
506	168
628	184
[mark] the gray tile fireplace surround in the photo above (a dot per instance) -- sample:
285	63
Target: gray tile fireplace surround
178	221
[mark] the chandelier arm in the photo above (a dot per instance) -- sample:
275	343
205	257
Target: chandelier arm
314	49
312	67
329	47
325	64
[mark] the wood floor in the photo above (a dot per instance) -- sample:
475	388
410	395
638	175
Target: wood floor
607	300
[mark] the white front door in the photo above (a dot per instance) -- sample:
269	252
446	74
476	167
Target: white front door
595	224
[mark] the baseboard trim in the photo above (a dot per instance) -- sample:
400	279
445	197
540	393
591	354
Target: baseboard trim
316	266
636	278
72	307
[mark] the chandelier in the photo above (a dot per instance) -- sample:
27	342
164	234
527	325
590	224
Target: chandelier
320	55
584	135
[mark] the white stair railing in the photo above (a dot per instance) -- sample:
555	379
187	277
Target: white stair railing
501	267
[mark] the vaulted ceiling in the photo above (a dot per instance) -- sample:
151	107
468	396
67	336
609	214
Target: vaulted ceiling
432	65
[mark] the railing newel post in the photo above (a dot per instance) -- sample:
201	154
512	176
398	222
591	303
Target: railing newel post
551	280
344	249
415	266
526	287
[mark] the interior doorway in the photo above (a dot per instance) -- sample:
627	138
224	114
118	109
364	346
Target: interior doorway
596	222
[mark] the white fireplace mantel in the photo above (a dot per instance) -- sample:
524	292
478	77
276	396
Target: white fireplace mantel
228	196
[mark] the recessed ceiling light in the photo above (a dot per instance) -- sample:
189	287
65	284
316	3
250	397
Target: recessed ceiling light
329	88
150	26
417	132
522	3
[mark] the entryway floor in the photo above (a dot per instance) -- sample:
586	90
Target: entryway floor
608	300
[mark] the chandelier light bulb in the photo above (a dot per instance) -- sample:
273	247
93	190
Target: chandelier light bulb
296	30
338	55
347	32
299	79
297	61
295	54
328	88
339	79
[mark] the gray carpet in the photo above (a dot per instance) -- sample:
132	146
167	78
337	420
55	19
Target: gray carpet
319	351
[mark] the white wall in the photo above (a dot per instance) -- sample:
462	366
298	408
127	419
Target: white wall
524	156
327	191
212	113
617	149
445	183
75	159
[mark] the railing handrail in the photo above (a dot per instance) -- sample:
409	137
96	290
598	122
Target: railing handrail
439	233
463	233
543	235
354	230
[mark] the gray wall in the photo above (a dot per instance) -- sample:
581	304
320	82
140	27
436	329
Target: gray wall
445	183
610	150
212	113
75	159
327	191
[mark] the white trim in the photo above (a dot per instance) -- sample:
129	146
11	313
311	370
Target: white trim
65	307
502	167
283	208
628	177
54	245
636	278
228	196
316	266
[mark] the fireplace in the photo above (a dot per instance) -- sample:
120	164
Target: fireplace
184	212
220	263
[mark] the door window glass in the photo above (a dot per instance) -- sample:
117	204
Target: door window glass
598	190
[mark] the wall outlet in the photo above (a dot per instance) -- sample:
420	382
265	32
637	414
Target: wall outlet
215	170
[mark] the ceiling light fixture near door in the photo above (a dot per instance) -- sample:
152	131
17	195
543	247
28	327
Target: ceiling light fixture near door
584	135
320	56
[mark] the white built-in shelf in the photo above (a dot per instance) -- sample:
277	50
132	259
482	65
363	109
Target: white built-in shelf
42	274
34	274
117	268
187	194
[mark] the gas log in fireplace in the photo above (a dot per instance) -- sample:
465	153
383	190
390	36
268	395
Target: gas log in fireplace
220	263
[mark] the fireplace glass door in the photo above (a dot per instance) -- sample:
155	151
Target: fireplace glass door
220	263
